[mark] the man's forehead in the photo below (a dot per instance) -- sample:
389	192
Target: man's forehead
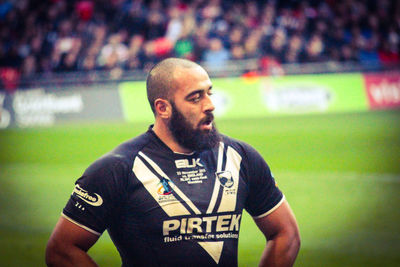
186	78
192	70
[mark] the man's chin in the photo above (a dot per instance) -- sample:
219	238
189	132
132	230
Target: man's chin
208	138
204	136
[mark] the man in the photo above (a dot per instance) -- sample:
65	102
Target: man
174	195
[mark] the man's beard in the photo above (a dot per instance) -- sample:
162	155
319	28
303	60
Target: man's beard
193	139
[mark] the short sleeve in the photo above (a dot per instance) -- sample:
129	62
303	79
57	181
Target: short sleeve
264	195
95	199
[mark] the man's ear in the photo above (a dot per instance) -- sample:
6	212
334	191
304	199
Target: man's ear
163	108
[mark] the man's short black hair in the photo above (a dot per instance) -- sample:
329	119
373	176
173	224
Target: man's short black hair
160	81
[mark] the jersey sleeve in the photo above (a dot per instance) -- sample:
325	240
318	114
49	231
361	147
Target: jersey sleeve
264	195
96	197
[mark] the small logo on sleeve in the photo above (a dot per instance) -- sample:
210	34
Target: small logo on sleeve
92	199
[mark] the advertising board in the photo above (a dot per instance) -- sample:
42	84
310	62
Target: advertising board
47	107
134	102
383	90
234	98
265	96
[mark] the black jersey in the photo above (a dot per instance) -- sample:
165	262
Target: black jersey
170	209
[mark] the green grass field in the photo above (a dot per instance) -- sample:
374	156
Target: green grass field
340	173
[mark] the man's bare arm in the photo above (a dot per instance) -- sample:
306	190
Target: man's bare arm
282	234
68	245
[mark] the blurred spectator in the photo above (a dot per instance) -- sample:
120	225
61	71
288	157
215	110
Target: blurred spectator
174	25
147	56
65	54
200	40
236	36
252	19
347	54
216	56
314	51
294	52
155	25
9	78
134	18
95	44
252	45
135	44
115	52
89	62
184	47
270	66
388	51
28	68
267	20
275	47
237	52
5	7
84	9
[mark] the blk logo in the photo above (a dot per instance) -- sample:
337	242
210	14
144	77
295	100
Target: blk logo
185	163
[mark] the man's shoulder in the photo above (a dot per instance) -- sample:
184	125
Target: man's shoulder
243	148
122	155
235	143
130	148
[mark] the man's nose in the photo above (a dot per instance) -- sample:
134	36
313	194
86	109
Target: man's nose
208	105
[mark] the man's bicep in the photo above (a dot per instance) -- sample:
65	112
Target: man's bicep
281	220
67	233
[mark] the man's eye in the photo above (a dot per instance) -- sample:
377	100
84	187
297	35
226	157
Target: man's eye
195	98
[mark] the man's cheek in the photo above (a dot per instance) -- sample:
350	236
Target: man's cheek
193	121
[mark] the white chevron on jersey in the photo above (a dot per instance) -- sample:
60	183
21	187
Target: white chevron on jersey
214	249
229	195
217	184
151	182
176	189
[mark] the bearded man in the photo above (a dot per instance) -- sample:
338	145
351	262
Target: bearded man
174	195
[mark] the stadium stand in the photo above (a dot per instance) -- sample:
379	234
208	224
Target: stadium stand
113	39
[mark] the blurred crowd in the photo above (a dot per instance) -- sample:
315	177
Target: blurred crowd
69	35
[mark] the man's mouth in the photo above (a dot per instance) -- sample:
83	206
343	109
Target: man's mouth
206	123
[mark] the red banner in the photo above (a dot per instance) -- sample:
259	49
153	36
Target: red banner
9	77
383	90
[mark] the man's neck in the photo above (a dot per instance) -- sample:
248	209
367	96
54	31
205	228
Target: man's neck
165	135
